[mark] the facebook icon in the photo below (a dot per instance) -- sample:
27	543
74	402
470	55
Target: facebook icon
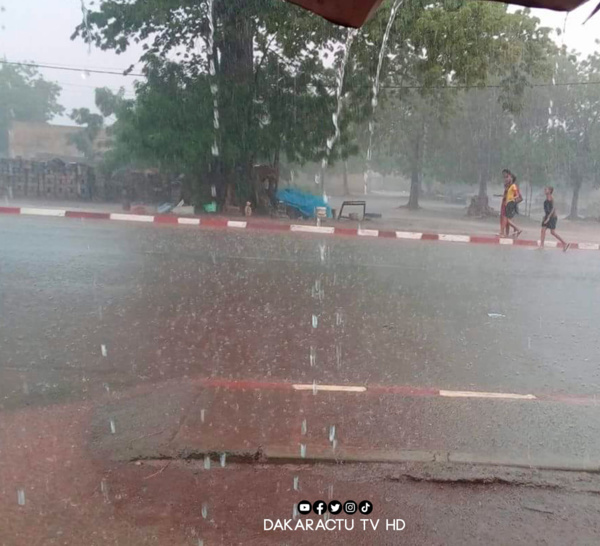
319	507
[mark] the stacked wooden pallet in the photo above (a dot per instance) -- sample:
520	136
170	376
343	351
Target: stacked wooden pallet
46	179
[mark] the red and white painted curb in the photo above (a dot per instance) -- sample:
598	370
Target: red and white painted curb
400	390
216	222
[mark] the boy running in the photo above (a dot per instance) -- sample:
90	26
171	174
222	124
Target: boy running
550	219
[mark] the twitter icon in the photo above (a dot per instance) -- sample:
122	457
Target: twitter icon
335	507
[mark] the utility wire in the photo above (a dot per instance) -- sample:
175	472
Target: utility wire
140	75
487	86
74	69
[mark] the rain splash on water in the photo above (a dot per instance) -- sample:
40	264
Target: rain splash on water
376	83
331	141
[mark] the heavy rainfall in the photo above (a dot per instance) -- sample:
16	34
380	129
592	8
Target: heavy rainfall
286	274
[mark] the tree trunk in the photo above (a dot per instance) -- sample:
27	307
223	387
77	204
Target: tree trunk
322	179
346	187
416	171
413	200
236	93
276	163
4	142
574	214
482	188
479	206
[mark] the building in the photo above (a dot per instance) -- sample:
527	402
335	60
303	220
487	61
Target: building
39	141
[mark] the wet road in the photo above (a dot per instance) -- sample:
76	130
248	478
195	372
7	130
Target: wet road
90	308
157	342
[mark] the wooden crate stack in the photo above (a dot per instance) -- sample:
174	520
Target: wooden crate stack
45	179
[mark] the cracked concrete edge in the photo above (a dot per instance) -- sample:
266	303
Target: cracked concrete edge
287	455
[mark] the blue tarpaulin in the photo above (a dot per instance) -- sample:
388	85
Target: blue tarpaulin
306	203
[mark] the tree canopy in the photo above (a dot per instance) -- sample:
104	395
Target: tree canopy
275	81
275	73
25	96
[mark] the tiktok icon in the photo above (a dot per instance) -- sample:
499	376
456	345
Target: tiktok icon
365	507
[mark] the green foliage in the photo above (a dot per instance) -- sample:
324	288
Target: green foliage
167	126
25	96
432	129
572	133
276	79
84	140
275	91
553	137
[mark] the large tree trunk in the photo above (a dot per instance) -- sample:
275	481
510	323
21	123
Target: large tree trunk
236	94
413	200
479	205
574	214
482	187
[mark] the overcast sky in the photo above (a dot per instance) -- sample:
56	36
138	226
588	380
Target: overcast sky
40	30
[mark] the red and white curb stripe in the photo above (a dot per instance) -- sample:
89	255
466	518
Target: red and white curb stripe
400	390
216	222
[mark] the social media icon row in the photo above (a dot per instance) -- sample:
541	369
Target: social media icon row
334	507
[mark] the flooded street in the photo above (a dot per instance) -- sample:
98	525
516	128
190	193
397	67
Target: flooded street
298	272
214	349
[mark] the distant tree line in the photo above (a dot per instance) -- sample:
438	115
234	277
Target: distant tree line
275	71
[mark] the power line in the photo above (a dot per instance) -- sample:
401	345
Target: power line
80	87
74	69
487	86
140	75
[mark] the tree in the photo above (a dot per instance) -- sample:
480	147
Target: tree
25	96
275	80
573	128
471	45
85	139
271	78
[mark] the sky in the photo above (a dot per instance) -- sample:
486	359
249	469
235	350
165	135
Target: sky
40	30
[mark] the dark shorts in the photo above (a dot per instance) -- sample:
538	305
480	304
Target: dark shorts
511	209
550	224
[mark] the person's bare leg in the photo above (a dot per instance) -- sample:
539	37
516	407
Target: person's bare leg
502	226
543	237
511	224
558	237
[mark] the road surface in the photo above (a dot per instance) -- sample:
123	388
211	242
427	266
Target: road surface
171	346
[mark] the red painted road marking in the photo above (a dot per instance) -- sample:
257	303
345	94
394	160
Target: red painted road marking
219	222
401	390
10	210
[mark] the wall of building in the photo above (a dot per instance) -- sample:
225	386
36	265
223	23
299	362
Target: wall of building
42	141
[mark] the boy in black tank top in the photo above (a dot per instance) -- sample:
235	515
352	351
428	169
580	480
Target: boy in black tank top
551	219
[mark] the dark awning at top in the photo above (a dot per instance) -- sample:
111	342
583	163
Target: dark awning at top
354	13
